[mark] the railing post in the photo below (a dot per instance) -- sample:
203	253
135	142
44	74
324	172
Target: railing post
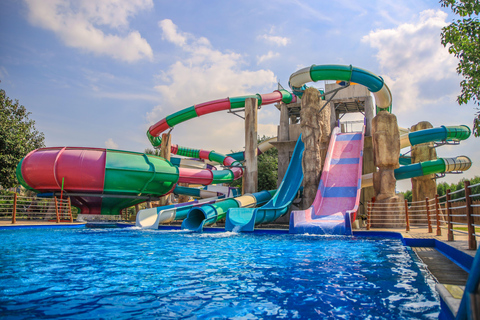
56	210
14	212
449	217
437	213
70	209
472	242
369	213
407	218
428	216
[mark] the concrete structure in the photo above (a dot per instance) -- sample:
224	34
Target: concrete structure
386	147
315	128
352	99
250	178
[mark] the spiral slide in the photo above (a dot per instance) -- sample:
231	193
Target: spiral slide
245	219
103	181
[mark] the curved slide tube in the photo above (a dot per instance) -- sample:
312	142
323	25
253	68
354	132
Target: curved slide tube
203	176
440	165
208	214
374	83
150	218
443	133
191	163
196	192
198	110
338	194
245	219
195	163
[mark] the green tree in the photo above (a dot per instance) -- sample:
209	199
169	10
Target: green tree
18	137
407	195
462	37
267	169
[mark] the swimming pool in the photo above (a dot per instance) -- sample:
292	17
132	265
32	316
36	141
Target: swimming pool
129	273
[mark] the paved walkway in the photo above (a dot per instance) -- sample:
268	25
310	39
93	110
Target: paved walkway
460	240
8	223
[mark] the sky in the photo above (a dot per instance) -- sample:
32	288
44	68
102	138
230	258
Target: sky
99	73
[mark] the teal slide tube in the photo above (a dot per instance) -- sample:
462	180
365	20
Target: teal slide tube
200	217
245	219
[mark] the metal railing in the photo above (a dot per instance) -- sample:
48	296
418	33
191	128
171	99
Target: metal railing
441	212
17	207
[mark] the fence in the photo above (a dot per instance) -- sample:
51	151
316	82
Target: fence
16	207
440	212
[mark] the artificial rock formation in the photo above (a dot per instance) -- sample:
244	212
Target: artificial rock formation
386	151
315	127
423	187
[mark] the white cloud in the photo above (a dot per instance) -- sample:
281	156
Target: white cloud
203	73
80	24
171	34
111	144
268	56
3	73
279	41
420	70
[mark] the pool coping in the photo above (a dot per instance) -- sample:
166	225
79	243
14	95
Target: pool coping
52	225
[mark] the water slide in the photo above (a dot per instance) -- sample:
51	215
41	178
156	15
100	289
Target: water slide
151	218
245	219
337	197
440	165
104	181
199	217
338	193
196	163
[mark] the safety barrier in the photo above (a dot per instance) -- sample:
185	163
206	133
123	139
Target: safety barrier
17	207
441	212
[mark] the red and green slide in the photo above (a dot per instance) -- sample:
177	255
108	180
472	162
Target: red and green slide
104	181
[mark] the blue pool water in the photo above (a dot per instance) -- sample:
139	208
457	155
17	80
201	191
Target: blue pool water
129	273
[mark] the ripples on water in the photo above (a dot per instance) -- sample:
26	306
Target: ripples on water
131	273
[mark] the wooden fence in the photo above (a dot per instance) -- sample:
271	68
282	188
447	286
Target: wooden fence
440	213
17	207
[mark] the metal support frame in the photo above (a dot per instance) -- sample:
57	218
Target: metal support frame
240	110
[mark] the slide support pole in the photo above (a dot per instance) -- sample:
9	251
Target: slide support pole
250	180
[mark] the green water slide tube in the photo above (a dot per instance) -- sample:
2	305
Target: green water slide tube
440	134
200	217
374	83
443	133
440	165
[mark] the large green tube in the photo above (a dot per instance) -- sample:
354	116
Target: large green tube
443	133
374	83
129	173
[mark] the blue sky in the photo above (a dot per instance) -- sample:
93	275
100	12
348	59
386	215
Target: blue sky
99	73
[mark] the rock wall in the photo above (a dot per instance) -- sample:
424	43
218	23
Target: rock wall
386	151
316	130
